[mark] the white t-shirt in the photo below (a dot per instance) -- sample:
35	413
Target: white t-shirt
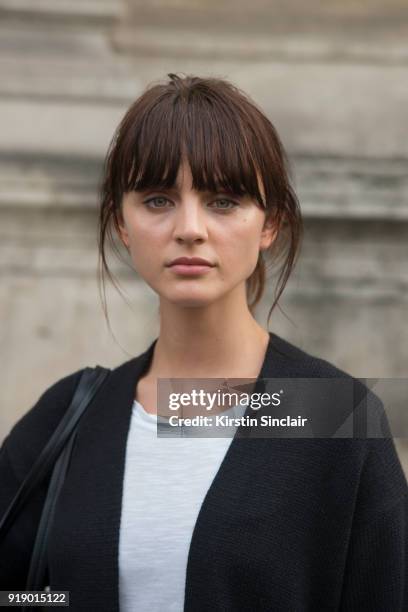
165	482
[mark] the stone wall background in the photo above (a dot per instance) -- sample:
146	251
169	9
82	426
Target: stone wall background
333	79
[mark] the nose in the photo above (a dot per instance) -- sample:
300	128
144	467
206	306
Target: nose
189	222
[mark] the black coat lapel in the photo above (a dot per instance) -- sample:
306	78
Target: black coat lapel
240	464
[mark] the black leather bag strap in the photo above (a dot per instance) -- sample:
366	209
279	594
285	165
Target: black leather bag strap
37	572
91	380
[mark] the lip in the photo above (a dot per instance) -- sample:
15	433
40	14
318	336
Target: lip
190	270
191	261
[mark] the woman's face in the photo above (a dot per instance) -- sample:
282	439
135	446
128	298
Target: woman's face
160	225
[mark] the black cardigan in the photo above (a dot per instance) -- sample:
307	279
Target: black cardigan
286	525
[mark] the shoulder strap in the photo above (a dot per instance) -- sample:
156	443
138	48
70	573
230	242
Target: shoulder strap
38	563
91	380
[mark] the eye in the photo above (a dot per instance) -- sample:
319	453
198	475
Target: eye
158	199
225	201
159	203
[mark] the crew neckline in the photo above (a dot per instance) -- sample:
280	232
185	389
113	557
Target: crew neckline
149	416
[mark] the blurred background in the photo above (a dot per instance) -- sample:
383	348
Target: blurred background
331	76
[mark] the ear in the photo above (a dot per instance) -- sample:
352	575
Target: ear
269	234
122	231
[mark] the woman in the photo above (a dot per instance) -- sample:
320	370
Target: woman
196	170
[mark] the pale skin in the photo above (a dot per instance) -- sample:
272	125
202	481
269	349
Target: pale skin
206	327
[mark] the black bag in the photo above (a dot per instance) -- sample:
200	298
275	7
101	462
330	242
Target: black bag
56	453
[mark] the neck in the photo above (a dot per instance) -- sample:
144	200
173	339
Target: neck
204	343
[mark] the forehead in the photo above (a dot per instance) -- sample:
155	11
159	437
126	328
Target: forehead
184	181
184	176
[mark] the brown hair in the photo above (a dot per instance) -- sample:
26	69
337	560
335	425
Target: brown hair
228	142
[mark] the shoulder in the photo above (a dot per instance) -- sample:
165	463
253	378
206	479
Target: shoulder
296	362
300	361
31	432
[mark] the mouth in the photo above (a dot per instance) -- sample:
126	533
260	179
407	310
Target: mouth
191	261
190	269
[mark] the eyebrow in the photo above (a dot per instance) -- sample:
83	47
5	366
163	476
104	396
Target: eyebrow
205	192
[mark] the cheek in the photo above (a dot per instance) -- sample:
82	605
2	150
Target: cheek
144	252
245	244
145	239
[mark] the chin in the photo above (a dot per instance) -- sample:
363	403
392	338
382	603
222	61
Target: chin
188	298
190	302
